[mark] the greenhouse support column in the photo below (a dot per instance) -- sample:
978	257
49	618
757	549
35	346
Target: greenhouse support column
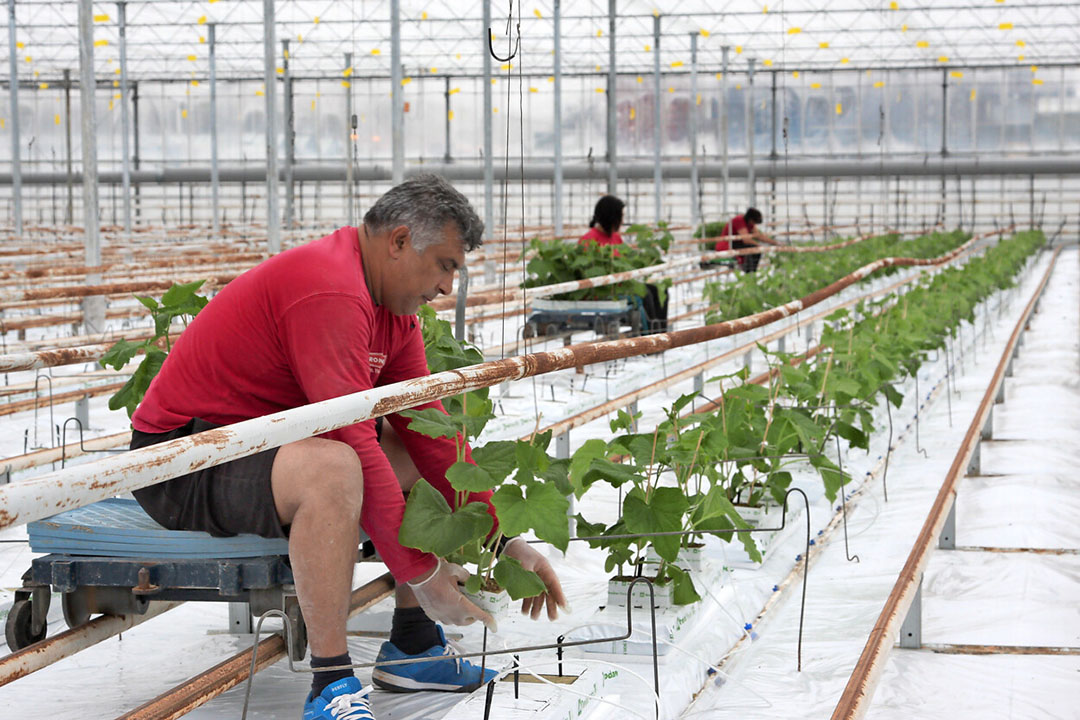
397	116
695	200
558	120
724	212
750	133
94	306
489	166
658	177
70	216
446	98
290	135
612	153
135	144
350	129
273	221
215	180
772	129
944	135
125	159
13	86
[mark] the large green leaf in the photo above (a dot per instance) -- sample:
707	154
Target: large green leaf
121	353
541	508
683	590
433	423
662	511
558	474
516	580
582	460
131	394
430	525
493	463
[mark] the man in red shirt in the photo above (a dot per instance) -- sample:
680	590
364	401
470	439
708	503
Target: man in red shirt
325	319
743	228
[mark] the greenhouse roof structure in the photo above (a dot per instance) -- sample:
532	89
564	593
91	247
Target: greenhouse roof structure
169	40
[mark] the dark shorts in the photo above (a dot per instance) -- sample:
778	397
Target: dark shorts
748	263
223	500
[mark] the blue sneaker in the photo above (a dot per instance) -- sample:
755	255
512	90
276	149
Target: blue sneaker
450	675
344	699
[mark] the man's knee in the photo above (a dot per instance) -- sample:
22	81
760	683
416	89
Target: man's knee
318	471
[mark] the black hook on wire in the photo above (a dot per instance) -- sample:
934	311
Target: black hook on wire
516	44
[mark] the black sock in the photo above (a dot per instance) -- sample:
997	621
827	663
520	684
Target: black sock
322	678
412	631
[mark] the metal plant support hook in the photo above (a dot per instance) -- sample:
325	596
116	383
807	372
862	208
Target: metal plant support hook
516	44
888	452
918	406
52	423
843	503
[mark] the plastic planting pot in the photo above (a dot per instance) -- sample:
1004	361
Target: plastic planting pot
617	588
496	604
690	558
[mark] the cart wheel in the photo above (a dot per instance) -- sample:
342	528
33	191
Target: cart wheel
298	648
529	331
18	629
552	329
76	611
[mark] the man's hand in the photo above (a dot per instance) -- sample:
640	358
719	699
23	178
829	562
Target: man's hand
530	559
439	595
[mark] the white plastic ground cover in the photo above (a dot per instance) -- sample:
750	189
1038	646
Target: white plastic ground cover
968	596
196	629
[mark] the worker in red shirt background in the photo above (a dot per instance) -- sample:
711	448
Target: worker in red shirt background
604	230
744	231
329	318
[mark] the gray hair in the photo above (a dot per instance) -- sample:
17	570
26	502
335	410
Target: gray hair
424	204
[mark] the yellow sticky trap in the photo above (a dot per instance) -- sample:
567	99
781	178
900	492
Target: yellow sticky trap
922	44
101	18
1020	58
795	74
110	104
599	33
655	13
29	59
598	68
551	78
260	93
738	87
299	38
202	19
698	99
434	70
536	12
3	123
1005	26
346	72
116	83
794	30
815	86
903	28
344	83
211	2
202	39
56	119
506	66
1034	68
599	90
194	83
192	58
312	105
738	49
767	62
455	91
894	6
285	53
671	89
677	64
1020	43
765	9
101	43
494	80
116	71
449	114
494	109
704	32
533	89
315	19
639	79
943	58
956	74
19	44
845	61
43	86
648	48
1036	81
376	51
423	15
183	113
839	109
719	76
972	94
633	113
406	81
280	71
823	45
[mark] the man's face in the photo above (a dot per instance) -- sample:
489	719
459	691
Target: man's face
418	278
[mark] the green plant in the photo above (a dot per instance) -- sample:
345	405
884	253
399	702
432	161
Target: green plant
529	487
179	301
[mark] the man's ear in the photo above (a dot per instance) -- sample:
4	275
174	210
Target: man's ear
400	238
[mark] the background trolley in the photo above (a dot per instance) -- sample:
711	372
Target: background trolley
605	317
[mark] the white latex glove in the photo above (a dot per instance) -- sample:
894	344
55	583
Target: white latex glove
439	595
530	559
